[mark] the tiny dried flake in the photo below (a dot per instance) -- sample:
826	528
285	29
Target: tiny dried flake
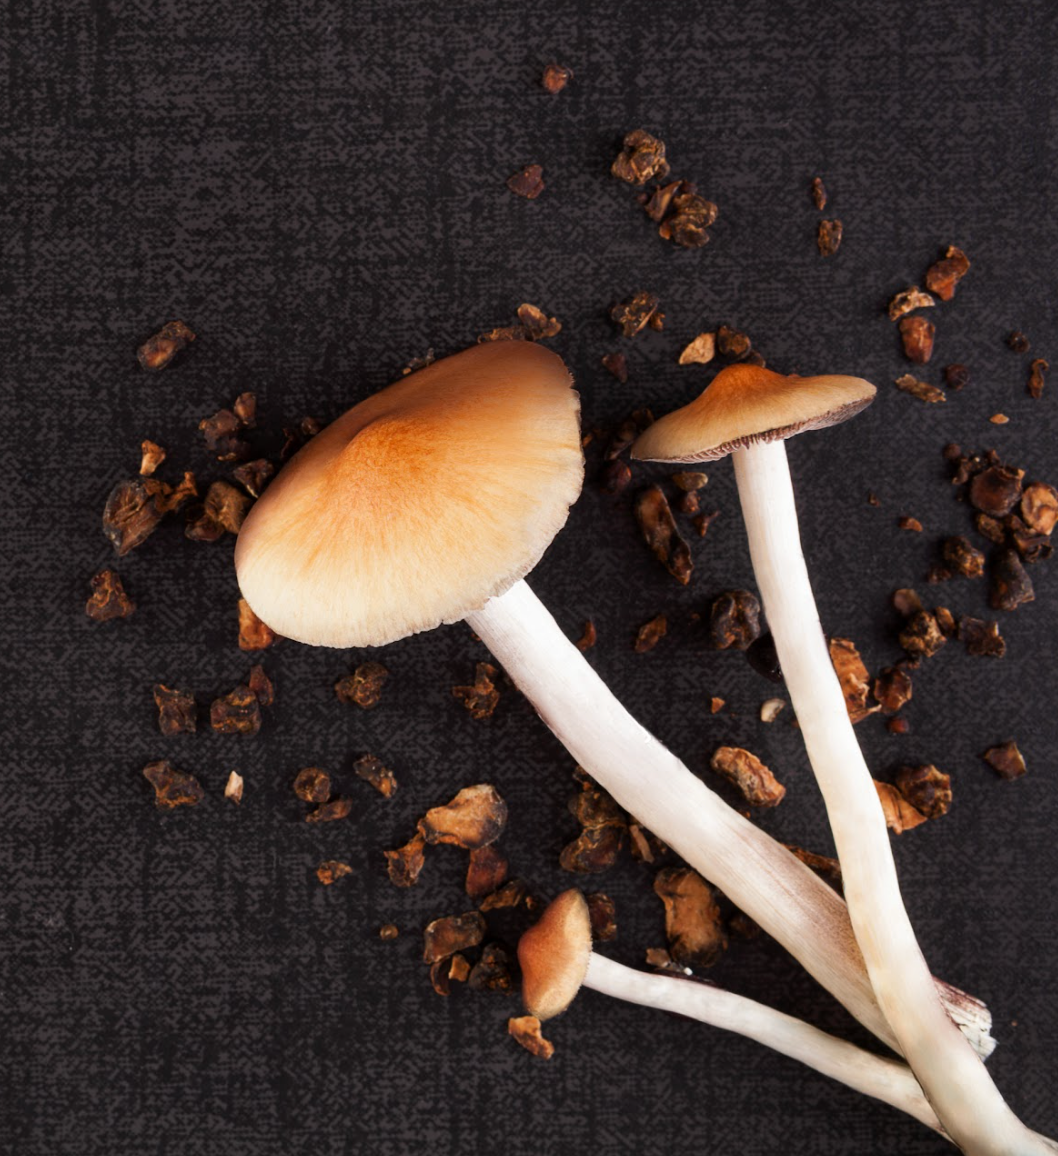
693	926
828	237
892	688
176	710
642	158
650	634
234	787
556	77
688	224
486	871
594	807
221	431
526	1031
131	514
615	477
372	771
963	558
771	708
406	863
108	599
227	506
236	713
819	193
906	602
756	782
657	204
492	972
1031	547
999	419
917	335
157	351
329	812
1011	585
873	499
474	818
588	636
906	522
617	364
388	932
996	490
331	870
990	528
926	789
690	481
172	788
702	522
537	323
254	476
645	846
956	377
764	658
458	968
482	698
716	705
853	676
688	503
603	917
701	350
418	363
900	815
593	851
632	316
1036	377
922	635
444	937
151	457
261	685
943	276
505	333
364	686
1006	760
1018	342
169	498
658	957
655	519
297	435
509	895
312	785
733	342
826	868
201	526
908	299
527	182
898	725
1039	507
734	620
245	408
938	573
253	633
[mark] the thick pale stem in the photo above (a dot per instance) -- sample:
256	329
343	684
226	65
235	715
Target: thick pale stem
888	1080
953	1077
788	900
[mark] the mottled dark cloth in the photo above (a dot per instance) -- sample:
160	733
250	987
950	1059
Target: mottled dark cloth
319	190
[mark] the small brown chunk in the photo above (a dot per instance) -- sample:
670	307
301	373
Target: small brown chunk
693	926
538	326
483	697
486	871
474	818
176	710
926	789
1011	585
990	528
853	677
703	521
236	713
588	636
917	335
617	364
956	377
298	435
526	1031
688	224
996	490
655	519
999	419
633	315
658	957
1018	342
131	514
906	522
907	602
898	725
330	812
312	785
221	431
908	383
255	475
944	275
261	685
756	782
157	351
1006	760
388	932
650	634
594	807
603	917
227	506
688	503
764	658
151	457
828	237
771	708
253	633
733	342
444	937
406	863
172	788
701	350
716	705
200	526
819	193
509	895
234	787
641	159
615	477
922	635
1036	377
527	182
108	599
892	688
372	771
492	972
331	870
900	815
556	77
982	639
1039	507
364	686
593	851
908	299
690	481
963	558
826	868
734	620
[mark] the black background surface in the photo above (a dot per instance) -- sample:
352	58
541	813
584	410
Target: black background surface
318	190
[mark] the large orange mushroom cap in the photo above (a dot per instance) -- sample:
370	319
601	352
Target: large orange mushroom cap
745	404
420	503
553	955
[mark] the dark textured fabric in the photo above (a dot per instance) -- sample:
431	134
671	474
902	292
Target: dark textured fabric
318	190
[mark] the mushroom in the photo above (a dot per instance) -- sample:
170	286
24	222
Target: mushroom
748	412
428	502
556	959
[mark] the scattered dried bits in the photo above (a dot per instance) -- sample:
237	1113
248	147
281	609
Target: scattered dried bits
556	77
908	299
474	818
1036	377
603	917
892	688
486	871
388	932
632	316
444	937
253	633
922	636
963	558
482	698
756	782
364	686
828	237
526	1031
538	326
1011	585
172	788
853	677
650	634
108	599
331	870
908	383
405	864
693	925
642	158
819	193
312	785
372	771
917	334
655	519
944	275
527	182
900	815
734	620
1006	760
236	713
701	350
926	789
176	710
509	895
157	351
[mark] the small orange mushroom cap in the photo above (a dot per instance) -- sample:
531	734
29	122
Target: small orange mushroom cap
745	404
419	504
553	955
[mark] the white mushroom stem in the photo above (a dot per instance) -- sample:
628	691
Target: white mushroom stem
952	1075
885	1079
780	893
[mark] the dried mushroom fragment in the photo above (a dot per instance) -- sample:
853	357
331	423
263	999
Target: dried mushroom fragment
734	620
655	519
236	713
906	522
771	708
701	350
483	697
226	506
828	237
526	1030
172	788
486	871
853	676
615	477
906	602
492	972
131	514
1017	342
169	498
943	276
688	224
650	634
900	815
642	158
617	364
588	636
693	925
474	818
556	77
364	686
908	299
234	787
1039	507
330	812
1036	377
261	685
157	351
990	528
996	490
509	895
926	789
331	870
908	383
594	850
703	521
690	481
405	864
176	710
297	435
763	657
444	937
388	932
825	867
963	558
917	335
819	193
538	326
946	621
892	688
956	376
594	807
221	431
253	633
254	475
151	457
312	785
1006	760
1011	585
372	771
733	342
756	782
633	315
108	599
603	917
922	635
527	182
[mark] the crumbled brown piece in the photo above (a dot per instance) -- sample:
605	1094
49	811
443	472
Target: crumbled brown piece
764	658
527	182
312	785
756	782
1011	585
826	868
254	475
176	710
650	634
245	409
946	621
701	350
1006	760
716	705
331	870
819	193
898	725
364	686
169	498
906	522
956	377
388	932
1018	342
991	528
658	957
444	937
441	977
1032	547
627	432
828	237
509	895
372	771
938	573
1039	507
236	713
526	1031
873	499
771	708
917	335
615	477
328	812
1036	379
900	815
234	787
588	636
892	688
690	481
556	77
644	846
633	315
603	917
617	364
261	685
996	490
733	342
926	789
906	602
944	275
253	633
483	697
853	676
297	435
641	159
908	383
734	620
908	299
492	972
157	351
999	419
688	224
688	503
693	925
921	635
963	558
474	818
657	204
594	807
221	431
172	788
200	526
108	599
659	529
486	871
594	850
405	863
151	457
538	325
131	514
703	521
227	506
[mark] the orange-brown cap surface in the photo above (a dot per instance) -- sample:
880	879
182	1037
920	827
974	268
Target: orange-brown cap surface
553	955
746	404
420	503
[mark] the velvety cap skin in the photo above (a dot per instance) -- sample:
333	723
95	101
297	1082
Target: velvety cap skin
745	404
420	503
553	955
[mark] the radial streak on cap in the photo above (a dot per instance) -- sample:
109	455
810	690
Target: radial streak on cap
554	954
420	503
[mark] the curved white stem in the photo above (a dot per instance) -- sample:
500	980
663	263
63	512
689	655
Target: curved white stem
758	874
953	1077
885	1079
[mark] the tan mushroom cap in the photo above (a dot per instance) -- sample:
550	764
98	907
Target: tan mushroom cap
553	955
420	503
745	404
